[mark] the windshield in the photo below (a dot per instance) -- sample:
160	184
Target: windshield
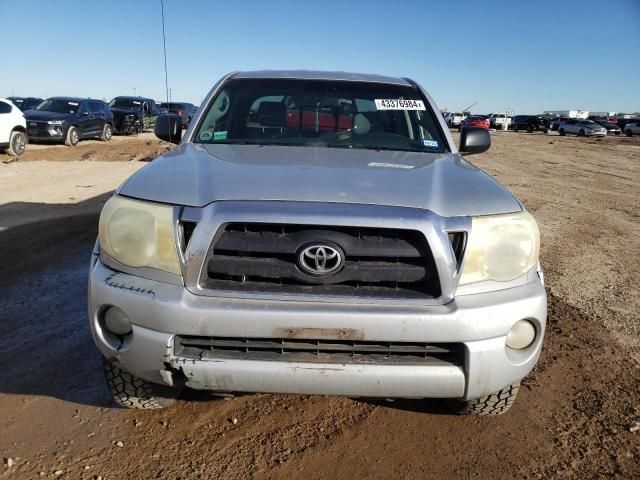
125	103
318	113
588	122
58	106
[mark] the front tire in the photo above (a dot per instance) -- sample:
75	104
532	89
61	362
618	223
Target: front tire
132	392
582	133
562	132
17	143
628	132
495	403
107	132
73	137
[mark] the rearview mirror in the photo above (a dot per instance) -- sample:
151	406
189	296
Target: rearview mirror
474	140
169	128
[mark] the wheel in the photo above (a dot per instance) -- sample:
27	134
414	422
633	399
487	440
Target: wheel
562	132
146	122
515	128
581	133
17	143
107	132
628	132
495	403
73	137
132	392
545	130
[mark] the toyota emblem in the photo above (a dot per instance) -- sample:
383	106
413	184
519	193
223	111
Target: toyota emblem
320	259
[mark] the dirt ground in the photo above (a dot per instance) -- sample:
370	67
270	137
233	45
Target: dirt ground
573	418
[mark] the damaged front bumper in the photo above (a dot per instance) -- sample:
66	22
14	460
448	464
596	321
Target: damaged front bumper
160	312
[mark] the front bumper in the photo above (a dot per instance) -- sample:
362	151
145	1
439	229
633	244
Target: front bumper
45	132
160	311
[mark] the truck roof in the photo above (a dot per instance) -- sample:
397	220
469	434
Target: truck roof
320	75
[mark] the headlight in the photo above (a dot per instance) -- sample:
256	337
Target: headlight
501	248
55	122
139	234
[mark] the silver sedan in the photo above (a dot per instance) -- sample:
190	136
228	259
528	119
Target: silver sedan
581	128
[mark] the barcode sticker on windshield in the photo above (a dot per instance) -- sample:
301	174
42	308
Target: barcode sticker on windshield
398	104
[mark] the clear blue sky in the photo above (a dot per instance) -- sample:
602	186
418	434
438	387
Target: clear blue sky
527	55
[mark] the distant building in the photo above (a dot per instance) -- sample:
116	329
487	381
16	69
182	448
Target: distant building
603	114
567	113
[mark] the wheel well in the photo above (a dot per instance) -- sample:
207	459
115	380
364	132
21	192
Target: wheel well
19	128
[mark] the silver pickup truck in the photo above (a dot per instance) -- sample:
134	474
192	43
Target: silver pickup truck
317	233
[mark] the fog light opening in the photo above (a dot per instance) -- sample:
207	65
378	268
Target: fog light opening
521	335
116	321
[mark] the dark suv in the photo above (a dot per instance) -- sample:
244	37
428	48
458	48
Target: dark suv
69	119
134	114
184	109
25	103
530	123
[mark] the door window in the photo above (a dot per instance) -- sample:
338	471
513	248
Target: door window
5	107
95	107
84	108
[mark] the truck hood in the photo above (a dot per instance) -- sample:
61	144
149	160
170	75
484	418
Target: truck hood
198	174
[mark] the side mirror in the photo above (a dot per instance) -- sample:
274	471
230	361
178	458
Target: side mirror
169	128
474	140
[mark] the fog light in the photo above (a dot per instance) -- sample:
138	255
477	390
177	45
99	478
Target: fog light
521	335
116	321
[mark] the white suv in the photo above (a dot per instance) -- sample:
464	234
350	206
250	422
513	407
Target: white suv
13	127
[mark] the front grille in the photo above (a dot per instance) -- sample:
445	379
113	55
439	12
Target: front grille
37	128
458	242
315	350
378	262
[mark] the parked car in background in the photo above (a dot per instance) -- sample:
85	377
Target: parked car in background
603	118
455	118
612	128
475	121
25	103
184	109
134	114
499	121
623	122
555	122
582	128
632	128
13	126
530	123
69	120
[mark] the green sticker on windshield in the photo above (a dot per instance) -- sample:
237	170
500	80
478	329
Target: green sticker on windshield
219	135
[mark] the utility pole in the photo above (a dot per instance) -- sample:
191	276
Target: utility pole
134	91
